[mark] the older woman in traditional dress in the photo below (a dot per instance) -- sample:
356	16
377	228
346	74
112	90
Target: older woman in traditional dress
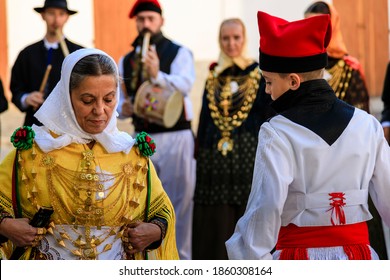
107	199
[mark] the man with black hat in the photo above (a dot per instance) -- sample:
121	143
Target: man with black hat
316	160
37	68
169	67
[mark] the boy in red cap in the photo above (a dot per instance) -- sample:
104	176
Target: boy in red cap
316	160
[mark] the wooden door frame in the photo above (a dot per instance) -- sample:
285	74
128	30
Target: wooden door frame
365	30
114	30
4	72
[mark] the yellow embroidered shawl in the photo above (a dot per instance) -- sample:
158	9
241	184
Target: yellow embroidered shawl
60	180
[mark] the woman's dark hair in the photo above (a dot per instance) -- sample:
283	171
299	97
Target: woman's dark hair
92	65
318	8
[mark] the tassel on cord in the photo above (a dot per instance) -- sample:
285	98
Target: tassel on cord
148	195
15	189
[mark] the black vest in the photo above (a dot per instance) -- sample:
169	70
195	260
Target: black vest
166	51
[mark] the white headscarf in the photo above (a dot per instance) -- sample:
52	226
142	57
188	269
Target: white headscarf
57	115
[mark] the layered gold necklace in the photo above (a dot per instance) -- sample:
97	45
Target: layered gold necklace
83	199
230	101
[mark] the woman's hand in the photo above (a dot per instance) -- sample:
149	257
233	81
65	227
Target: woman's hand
139	235
19	231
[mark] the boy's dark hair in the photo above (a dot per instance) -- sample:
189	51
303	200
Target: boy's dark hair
318	8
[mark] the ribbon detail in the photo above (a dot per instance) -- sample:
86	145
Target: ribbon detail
337	202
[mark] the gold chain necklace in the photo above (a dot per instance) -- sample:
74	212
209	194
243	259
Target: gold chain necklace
341	75
230	101
88	189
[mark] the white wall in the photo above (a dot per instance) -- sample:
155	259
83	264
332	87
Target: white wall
25	26
195	23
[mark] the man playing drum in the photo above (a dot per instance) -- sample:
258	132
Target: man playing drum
169	67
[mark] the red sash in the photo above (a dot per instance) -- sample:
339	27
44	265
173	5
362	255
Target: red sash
294	240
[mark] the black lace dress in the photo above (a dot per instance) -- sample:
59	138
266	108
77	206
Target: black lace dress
223	182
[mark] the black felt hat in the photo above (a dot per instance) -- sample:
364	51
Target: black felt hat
61	4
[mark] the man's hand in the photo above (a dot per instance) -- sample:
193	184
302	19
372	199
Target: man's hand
127	108
35	99
152	62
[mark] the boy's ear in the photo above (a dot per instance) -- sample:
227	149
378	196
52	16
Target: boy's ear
295	81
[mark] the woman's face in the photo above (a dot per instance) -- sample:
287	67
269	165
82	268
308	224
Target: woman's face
232	39
94	101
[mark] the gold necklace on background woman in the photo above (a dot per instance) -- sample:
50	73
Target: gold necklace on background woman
230	101
341	75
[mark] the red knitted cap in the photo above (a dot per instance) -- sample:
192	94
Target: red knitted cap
293	47
145	5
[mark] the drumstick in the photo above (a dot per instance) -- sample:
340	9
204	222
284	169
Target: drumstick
45	77
145	44
63	45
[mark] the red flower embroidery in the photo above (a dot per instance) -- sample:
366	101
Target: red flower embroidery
212	66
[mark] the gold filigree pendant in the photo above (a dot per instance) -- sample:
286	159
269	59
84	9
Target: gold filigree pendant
225	145
88	253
